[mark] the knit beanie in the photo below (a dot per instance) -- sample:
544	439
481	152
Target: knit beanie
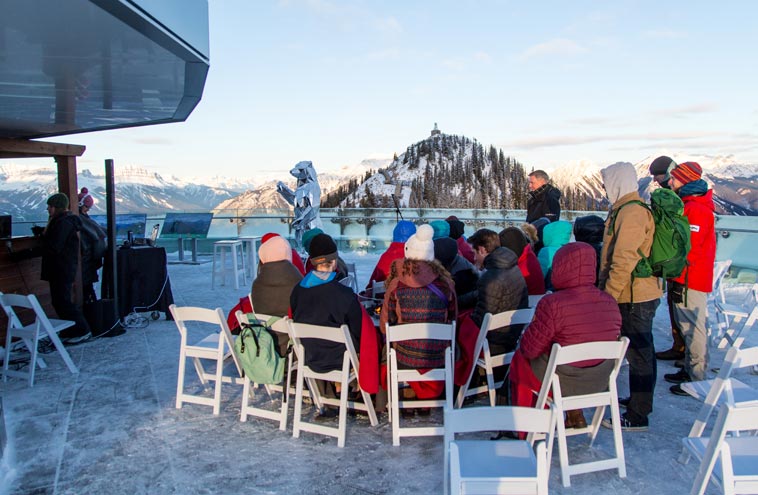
456	227
275	249
322	249
662	165
514	239
441	228
445	250
267	237
85	198
58	200
403	230
420	245
308	236
687	172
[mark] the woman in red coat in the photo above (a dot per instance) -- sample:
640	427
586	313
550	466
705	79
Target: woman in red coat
576	313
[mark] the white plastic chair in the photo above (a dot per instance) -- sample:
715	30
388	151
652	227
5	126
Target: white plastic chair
214	346
551	383
487	361
344	376
418	331
730	333
248	392
378	289
534	299
724	388
508	466
352	275
731	462
31	334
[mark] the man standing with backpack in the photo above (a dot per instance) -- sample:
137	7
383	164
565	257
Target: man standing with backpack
689	291
661	169
628	237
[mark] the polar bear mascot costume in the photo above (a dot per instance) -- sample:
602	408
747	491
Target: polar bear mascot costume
306	199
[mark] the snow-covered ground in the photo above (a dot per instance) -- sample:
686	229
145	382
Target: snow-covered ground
113	428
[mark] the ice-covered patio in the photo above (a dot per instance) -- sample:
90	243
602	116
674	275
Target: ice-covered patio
113	428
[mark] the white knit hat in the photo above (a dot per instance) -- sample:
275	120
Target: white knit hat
420	245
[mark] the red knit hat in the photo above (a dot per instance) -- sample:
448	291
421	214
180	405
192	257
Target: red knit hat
268	236
687	172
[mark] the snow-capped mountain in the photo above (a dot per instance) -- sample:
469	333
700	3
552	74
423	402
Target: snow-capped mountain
26	188
733	183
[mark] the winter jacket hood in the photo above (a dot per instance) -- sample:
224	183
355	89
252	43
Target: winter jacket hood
501	258
589	229
619	180
557	233
420	276
574	265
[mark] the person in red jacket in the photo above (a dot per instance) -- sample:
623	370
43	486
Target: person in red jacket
396	250
689	291
515	239
577	312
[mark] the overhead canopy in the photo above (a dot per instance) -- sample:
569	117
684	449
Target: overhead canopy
84	65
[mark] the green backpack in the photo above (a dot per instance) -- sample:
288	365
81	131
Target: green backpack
671	241
258	351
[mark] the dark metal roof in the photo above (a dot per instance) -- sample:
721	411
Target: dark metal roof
70	66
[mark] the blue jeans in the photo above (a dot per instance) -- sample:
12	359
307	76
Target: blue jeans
637	325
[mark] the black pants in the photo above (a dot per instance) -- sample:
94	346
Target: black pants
60	292
637	324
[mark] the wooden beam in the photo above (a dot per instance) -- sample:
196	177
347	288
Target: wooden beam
24	148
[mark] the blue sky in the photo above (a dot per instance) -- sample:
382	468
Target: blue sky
548	82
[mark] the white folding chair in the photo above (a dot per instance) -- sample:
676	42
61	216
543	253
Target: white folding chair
378	289
609	398
352	275
344	376
731	462
248	392
418	331
730	333
487	361
507	466
214	346
534	299
724	388
31	334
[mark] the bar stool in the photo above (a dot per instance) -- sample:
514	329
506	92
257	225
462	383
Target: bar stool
250	247
237	268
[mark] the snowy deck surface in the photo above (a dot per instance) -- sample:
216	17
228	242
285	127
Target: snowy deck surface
113	428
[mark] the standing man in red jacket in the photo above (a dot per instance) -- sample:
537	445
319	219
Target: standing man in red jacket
689	291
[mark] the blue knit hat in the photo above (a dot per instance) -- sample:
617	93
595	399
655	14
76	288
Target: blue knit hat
441	228
403	230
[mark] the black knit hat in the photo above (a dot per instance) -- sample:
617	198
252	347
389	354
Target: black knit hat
456	227
662	165
445	250
322	249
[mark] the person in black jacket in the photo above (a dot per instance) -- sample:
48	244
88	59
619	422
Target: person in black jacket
544	199
590	229
60	261
319	299
501	287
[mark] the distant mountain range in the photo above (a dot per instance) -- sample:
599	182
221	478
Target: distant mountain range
441	171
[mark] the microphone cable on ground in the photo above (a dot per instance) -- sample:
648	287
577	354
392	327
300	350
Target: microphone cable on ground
134	320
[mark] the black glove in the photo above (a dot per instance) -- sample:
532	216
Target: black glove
676	292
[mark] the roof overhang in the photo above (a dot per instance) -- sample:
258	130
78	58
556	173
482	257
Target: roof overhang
77	66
